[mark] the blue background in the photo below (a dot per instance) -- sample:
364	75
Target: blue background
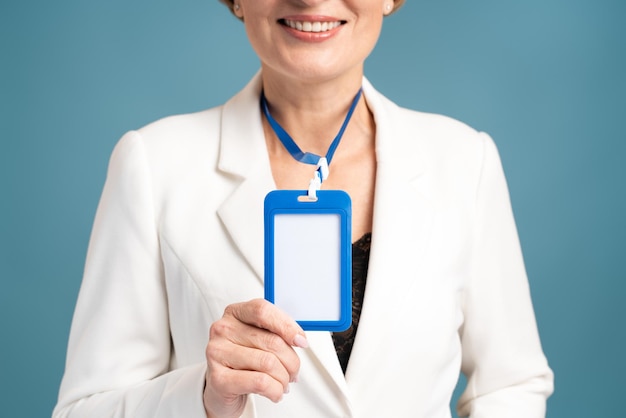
546	78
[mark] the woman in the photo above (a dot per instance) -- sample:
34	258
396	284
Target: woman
170	320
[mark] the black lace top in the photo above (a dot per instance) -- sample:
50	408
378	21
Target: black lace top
360	259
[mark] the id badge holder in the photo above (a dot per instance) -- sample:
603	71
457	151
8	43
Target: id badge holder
308	257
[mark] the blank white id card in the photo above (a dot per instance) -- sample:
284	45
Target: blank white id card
308	257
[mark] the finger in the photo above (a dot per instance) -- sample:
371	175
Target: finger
265	315
231	383
238	357
230	339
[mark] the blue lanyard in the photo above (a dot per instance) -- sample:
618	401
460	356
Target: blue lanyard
294	149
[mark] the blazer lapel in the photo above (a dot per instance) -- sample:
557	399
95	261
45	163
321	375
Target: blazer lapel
402	215
401	230
243	156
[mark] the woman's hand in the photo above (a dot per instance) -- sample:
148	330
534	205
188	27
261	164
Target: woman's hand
250	351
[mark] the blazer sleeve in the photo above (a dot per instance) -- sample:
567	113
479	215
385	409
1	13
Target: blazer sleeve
118	361
507	372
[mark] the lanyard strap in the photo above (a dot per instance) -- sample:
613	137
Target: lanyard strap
294	149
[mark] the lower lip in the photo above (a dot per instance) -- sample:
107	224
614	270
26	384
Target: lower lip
312	37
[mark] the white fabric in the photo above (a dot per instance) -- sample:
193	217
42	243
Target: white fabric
179	235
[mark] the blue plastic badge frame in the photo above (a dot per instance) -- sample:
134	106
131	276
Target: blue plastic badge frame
308	257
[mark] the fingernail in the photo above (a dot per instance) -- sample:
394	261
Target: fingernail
300	341
287	389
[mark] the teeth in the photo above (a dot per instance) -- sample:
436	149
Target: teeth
312	26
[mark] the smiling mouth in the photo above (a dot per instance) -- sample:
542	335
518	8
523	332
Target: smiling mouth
314	27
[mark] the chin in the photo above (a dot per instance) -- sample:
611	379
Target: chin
310	70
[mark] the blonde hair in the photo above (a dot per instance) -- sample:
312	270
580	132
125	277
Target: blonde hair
231	5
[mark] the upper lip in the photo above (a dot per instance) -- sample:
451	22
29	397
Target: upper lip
311	18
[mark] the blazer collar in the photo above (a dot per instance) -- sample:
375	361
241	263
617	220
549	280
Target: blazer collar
401	215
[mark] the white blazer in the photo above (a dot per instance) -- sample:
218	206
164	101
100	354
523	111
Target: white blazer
179	235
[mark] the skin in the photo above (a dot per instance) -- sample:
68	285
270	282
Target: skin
309	81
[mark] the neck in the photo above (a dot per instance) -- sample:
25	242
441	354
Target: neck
312	112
